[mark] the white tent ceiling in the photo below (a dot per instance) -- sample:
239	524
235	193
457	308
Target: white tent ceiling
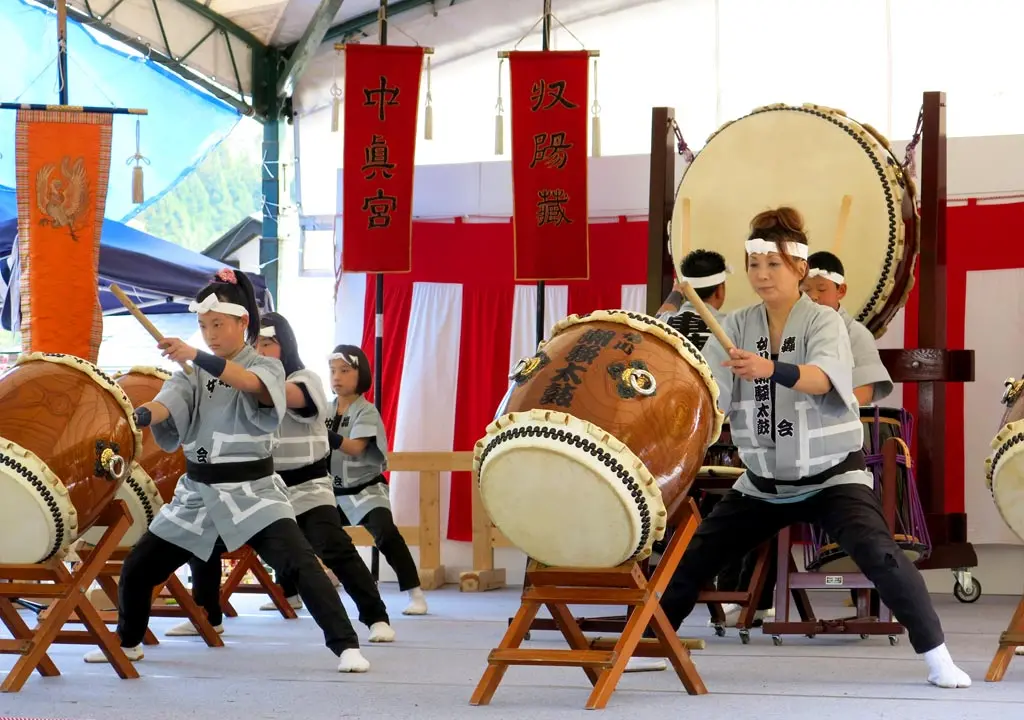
190	33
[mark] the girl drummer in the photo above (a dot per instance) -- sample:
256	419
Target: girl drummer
225	415
301	459
787	390
358	460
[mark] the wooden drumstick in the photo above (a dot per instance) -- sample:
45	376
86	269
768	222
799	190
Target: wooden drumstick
687	229
150	327
706	315
844	218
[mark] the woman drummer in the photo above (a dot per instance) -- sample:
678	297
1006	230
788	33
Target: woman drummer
787	390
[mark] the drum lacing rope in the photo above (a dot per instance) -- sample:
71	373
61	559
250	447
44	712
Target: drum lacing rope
684	149
909	162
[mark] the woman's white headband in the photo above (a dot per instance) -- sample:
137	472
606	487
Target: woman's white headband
350	359
760	246
708	281
268	332
834	277
214	304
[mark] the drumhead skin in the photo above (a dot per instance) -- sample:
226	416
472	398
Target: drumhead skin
1004	467
547	489
808	158
37	518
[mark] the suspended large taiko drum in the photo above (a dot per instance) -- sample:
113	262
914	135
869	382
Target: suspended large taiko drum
155	473
809	158
599	440
67	441
1004	467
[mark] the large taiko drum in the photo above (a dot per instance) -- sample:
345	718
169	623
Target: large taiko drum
809	158
67	441
155	473
603	433
1004	467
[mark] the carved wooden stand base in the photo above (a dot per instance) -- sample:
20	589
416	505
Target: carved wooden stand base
603	661
67	591
247	560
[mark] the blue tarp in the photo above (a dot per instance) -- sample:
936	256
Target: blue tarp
150	270
183	123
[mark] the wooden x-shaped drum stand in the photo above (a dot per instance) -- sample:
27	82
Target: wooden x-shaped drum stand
246	560
68	591
603	661
1008	643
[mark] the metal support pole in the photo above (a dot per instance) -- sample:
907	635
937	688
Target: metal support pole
62	51
545	45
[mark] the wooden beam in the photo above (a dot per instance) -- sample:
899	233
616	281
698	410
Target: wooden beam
660	202
307	46
931	323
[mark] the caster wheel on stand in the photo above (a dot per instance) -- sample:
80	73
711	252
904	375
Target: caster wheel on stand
894	640
745	636
776	640
719	631
864	636
965	595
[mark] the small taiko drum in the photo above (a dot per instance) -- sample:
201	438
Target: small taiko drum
839	174
1004	467
155	473
603	432
67	441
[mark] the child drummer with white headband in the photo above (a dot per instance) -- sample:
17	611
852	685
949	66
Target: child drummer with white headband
225	415
825	284
787	389
706	272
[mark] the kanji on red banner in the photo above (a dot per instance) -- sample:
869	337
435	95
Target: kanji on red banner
549	164
382	90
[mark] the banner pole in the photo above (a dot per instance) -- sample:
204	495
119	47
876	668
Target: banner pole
378	311
545	46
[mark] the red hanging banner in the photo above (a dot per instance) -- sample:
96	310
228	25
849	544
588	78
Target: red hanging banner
382	91
549	92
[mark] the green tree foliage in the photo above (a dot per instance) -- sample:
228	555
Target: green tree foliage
224	188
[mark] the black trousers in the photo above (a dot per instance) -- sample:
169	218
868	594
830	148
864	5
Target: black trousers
851	514
381	525
281	544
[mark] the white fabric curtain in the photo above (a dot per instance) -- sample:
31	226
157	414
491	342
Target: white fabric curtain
426	405
634	297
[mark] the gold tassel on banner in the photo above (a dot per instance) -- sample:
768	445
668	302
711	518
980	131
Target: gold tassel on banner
595	121
499	119
428	119
138	194
336	94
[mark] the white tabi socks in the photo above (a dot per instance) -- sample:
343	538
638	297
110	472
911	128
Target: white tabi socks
352	661
381	632
942	671
417	603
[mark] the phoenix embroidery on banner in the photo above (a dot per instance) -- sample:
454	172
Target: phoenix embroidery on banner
63	199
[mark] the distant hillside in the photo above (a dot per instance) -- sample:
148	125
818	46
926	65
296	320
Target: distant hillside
223	189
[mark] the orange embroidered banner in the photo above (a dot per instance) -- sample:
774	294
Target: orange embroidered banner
382	87
549	164
63	164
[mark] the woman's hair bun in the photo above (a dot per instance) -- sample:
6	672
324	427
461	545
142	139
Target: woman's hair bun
784	219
